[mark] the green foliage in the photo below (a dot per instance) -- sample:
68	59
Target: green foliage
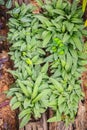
8	3
47	50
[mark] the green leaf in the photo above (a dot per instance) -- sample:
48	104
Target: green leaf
74	53
14	89
36	86
63	60
76	20
58	116
23	88
45	68
25	10
2	2
29	89
13	100
20	97
49	8
82	62
24	112
17	44
47	39
14	21
41	51
68	65
35	59
53	119
57	85
59	11
52	103
62	107
70	88
28	69
49	58
44	20
25	19
15	105
84	32
25	120
74	6
66	38
82	55
59	4
77	42
74	66
44	93
9	4
26	103
69	26
16	4
55	23
15	12
61	99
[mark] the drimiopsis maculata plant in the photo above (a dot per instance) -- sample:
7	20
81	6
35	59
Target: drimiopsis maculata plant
47	50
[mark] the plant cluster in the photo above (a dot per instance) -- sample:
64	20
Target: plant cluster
47	50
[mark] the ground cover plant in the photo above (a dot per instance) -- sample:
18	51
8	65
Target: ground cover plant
47	50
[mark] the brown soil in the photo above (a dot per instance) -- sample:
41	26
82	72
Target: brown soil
8	118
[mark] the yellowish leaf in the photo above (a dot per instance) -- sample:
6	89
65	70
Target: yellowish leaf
84	5
86	23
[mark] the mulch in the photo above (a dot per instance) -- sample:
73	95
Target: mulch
8	118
